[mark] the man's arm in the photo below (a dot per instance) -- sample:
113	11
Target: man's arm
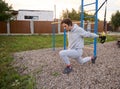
84	33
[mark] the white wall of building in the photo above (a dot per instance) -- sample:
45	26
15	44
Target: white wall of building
38	15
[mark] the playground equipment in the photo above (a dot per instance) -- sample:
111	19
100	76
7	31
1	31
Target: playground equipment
96	18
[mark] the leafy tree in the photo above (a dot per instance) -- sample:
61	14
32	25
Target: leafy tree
75	15
115	20
65	13
5	11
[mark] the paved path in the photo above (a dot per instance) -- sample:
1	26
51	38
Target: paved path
114	33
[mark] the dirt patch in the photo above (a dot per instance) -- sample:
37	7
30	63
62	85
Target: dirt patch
46	66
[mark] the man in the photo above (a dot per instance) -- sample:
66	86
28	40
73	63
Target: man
75	36
88	26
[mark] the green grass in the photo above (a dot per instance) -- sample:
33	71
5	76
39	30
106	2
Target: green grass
11	79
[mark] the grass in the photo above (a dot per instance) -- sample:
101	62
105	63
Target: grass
11	79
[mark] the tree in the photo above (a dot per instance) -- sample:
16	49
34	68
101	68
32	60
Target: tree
65	13
115	20
5	11
75	15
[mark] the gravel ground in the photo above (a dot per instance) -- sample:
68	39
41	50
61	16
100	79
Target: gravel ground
46	66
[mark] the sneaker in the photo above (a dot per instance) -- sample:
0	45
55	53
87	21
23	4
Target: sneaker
93	59
67	70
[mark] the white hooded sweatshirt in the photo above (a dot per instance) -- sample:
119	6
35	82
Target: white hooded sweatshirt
76	37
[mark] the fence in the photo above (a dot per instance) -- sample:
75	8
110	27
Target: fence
33	27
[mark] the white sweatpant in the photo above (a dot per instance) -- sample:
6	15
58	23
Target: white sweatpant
75	54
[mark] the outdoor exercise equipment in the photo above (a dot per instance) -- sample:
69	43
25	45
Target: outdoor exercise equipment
96	20
64	38
103	35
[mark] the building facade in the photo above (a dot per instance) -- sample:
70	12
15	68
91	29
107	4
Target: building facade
37	15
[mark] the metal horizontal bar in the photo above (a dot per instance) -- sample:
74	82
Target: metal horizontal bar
89	4
75	22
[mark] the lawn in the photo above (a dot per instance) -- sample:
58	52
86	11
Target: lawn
9	77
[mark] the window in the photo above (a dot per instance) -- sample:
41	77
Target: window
31	17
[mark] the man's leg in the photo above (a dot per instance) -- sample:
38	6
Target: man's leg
83	60
65	55
86	59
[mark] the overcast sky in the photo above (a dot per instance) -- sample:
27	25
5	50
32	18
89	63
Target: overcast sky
112	6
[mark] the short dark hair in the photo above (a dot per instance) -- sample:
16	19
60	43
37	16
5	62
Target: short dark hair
67	21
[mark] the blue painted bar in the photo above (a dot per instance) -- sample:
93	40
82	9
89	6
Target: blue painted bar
96	21
64	38
82	14
90	4
96	29
100	7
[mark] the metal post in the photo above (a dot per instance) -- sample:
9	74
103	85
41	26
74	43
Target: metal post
64	38
53	37
8	27
96	29
32	26
82	13
58	25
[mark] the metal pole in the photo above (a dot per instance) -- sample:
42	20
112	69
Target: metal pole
55	12
64	38
58	25
82	14
53	37
96	29
8	27
32	26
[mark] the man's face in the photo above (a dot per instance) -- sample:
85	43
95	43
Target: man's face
66	26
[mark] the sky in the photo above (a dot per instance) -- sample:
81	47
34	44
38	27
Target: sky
61	5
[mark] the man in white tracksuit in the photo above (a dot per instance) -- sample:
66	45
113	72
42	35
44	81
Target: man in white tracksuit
75	36
88	26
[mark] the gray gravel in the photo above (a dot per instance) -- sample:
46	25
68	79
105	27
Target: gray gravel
46	66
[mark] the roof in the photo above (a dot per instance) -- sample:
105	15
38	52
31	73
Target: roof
35	10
